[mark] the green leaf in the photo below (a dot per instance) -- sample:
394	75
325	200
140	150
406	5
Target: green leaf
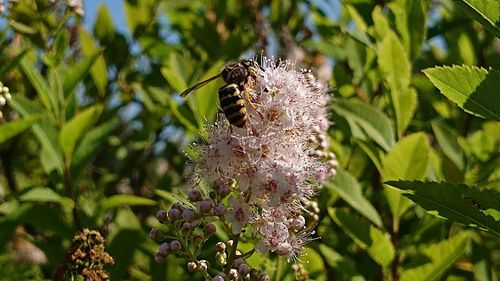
13	128
126	200
442	256
332	257
376	242
485	12
457	202
173	73
98	71
393	62
348	188
91	143
374	153
47	95
408	159
12	62
104	29
380	22
373	121
45	132
21	27
204	103
138	15
74	129
447	140
405	103
45	194
472	88
411	18
78	71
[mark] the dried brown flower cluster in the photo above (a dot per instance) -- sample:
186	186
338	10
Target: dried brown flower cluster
86	258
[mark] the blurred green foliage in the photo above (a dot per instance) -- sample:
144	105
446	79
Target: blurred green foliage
95	133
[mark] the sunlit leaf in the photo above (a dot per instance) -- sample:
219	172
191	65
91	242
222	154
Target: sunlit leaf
78	71
44	131
393	62
405	104
98	71
457	202
104	29
408	159
486	12
411	18
375	241
126	200
348	188
472	88
47	95
13	128
441	257
91	143
447	139
373	121
45	194
74	129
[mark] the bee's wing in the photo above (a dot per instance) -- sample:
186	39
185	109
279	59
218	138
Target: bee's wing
199	85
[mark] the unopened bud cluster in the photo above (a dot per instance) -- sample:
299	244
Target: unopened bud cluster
191	223
4	97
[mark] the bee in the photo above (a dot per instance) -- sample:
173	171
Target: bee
239	78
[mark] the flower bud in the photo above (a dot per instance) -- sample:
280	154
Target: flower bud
229	243
220	258
209	229
220	247
194	196
205	206
189	215
195	223
264	277
174	214
284	249
244	269
2	101
164	249
197	240
186	228
161	215
175	245
159	257
153	234
191	266
224	190
298	223
233	274
219	210
218	278
204	265
238	262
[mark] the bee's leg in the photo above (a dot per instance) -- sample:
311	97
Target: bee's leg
249	99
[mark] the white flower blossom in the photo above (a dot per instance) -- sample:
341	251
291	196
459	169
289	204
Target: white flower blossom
274	159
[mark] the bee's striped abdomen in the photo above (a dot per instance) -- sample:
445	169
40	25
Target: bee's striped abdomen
233	105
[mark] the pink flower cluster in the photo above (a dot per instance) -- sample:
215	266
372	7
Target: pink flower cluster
275	164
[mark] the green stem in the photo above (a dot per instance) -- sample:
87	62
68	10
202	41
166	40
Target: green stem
68	184
232	255
278	268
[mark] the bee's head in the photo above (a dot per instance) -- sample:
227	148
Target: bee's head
235	73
